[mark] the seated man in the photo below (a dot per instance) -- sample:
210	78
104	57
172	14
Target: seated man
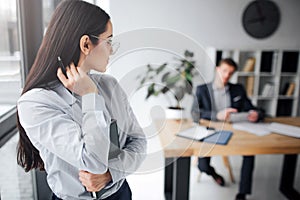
215	101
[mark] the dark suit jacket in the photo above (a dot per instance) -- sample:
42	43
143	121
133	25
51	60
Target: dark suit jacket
203	105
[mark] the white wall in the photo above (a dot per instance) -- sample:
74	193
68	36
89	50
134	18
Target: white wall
212	23
215	23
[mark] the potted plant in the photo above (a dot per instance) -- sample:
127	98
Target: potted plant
175	78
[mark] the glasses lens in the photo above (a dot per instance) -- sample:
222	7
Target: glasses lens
114	47
109	41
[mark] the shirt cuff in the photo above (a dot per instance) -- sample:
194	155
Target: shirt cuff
116	172
92	102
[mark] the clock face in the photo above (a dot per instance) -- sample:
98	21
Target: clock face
261	18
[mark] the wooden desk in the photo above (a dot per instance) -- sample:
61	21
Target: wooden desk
179	150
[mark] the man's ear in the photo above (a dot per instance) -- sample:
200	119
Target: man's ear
85	44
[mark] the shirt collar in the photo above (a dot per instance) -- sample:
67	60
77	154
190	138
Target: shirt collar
214	87
69	97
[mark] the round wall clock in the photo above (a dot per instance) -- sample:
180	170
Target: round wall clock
261	18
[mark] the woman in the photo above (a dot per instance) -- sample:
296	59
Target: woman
64	119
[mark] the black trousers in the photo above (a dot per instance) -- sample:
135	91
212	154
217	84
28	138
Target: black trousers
124	193
246	172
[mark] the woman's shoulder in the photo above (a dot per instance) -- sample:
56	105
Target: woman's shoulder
39	95
105	80
109	85
34	93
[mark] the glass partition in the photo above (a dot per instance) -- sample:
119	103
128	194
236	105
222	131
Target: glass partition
10	78
14	182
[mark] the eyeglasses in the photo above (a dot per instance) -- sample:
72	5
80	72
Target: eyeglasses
114	45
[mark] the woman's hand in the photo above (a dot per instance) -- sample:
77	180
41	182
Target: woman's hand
94	182
77	80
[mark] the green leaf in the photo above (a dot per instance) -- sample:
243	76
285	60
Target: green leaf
143	80
160	68
188	76
188	53
189	87
149	68
173	80
151	90
165	90
179	93
156	93
170	85
164	77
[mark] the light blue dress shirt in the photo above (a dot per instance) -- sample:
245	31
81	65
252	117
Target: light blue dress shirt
221	97
72	134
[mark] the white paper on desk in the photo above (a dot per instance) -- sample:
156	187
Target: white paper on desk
284	129
196	132
259	129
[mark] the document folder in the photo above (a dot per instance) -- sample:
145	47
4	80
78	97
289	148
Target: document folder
219	137
196	132
204	134
114	149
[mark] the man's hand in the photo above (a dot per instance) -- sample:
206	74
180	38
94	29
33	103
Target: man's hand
252	116
224	114
94	182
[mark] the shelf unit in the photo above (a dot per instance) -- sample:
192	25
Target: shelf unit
272	82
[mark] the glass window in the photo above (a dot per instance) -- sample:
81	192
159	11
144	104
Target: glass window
14	182
10	78
48	9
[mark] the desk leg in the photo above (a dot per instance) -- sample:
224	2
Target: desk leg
287	177
169	162
177	178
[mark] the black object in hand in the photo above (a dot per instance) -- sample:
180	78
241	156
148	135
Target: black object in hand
61	65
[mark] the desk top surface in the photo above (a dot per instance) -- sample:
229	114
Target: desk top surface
241	142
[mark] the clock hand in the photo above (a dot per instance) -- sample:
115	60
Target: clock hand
254	20
258	8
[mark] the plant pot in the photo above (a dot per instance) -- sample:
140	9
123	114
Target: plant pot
174	113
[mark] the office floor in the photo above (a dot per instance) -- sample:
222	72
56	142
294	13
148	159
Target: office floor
149	186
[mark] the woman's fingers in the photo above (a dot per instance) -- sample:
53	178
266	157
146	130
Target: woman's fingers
61	76
77	80
93	182
74	71
82	174
69	75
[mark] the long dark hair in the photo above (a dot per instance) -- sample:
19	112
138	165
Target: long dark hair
71	20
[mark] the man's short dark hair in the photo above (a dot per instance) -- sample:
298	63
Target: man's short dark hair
228	61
